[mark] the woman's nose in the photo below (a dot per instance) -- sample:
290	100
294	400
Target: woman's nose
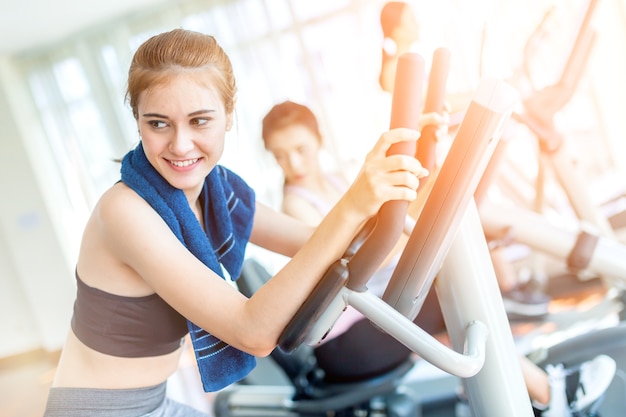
294	161
182	142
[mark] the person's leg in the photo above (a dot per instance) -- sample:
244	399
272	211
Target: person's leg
536	380
561	391
521	300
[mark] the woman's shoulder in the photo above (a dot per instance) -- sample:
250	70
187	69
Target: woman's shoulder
119	204
125	229
118	195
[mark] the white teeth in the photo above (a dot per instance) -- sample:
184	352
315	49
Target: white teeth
182	164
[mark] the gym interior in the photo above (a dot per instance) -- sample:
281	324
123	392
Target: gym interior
553	200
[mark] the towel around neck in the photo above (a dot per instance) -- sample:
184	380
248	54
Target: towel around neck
228	204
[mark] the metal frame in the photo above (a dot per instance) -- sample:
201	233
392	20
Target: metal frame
483	352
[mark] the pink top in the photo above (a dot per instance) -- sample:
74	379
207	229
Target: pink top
323	207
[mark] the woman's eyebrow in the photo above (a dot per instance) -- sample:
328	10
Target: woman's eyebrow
160	116
197	112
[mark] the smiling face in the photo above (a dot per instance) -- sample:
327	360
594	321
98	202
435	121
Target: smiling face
296	150
182	123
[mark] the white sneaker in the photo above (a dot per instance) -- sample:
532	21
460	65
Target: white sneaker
576	390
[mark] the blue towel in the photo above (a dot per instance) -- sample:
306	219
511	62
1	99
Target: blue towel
228	214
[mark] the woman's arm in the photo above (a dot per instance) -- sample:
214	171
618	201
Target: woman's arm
279	232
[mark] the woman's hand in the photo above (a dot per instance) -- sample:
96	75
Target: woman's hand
383	178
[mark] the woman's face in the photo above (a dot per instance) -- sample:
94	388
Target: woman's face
182	124
295	149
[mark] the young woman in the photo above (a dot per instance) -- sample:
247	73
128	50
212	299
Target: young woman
291	133
158	244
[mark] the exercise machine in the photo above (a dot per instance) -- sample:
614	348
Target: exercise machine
588	246
483	354
448	242
538	113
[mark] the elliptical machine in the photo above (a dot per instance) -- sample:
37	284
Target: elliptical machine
296	386
448	224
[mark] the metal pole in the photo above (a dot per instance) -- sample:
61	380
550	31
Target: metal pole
468	290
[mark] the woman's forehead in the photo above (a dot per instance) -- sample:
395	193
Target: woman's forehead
291	135
182	89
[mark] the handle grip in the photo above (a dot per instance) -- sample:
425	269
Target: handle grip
435	101
361	260
406	106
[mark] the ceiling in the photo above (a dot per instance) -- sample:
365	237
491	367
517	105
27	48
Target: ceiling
26	24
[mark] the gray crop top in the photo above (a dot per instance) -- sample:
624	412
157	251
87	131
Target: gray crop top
129	327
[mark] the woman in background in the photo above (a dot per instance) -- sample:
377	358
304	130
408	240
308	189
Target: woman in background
291	133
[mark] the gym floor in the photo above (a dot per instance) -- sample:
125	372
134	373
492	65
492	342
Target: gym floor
24	383
25	379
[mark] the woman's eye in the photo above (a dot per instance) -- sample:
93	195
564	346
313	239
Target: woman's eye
157	124
199	121
304	150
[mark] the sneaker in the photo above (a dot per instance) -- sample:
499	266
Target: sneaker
577	391
526	301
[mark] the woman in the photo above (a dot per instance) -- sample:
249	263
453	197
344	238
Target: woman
291	133
159	242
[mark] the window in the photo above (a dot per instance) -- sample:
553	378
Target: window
322	53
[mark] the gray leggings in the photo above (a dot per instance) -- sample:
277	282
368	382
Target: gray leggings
140	402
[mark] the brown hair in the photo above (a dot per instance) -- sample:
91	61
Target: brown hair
390	16
287	114
176	51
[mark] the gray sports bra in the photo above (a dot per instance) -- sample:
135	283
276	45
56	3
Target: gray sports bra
126	326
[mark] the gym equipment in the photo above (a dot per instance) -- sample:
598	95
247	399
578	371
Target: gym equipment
296	387
591	245
540	109
434	102
450	242
477	329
